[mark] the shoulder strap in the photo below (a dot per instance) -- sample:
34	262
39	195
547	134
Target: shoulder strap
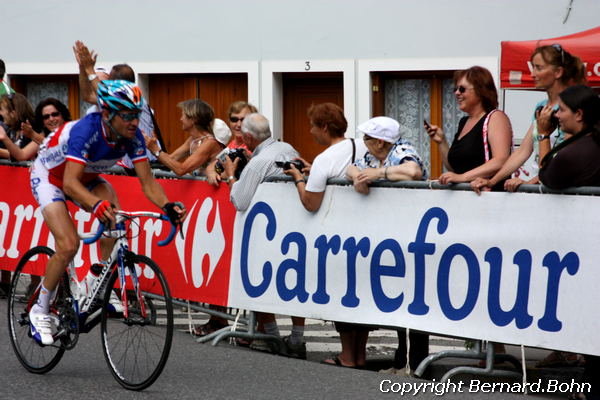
486	147
353	150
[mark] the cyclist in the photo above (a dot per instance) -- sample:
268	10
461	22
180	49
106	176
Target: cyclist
68	167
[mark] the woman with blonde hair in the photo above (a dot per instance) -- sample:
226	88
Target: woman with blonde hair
207	137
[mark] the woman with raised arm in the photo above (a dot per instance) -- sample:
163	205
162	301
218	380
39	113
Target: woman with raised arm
553	70
484	138
207	137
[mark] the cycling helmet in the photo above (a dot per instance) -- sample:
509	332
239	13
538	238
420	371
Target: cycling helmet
119	95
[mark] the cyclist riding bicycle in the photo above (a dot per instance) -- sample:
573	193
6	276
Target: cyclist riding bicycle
68	167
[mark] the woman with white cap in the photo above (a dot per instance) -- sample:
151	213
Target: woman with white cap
389	157
207	137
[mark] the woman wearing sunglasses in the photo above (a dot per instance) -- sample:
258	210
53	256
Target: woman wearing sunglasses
50	114
483	141
553	70
207	137
237	112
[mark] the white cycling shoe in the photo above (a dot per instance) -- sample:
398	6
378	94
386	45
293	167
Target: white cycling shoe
114	303
43	325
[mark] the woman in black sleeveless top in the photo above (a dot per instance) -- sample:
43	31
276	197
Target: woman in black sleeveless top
484	137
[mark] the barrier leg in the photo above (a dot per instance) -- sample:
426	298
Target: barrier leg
476	353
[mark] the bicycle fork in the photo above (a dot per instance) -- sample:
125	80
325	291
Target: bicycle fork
126	264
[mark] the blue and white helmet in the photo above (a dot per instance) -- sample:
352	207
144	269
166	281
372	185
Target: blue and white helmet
119	95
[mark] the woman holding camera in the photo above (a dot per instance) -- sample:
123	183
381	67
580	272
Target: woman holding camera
553	70
207	137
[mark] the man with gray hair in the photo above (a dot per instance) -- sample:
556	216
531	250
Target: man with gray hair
266	150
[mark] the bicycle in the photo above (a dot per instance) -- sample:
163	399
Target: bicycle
136	343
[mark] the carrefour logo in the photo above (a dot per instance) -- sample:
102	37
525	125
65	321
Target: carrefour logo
208	242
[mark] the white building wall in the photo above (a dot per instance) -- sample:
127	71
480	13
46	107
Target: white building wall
157	36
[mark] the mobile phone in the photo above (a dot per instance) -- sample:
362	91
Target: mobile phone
426	124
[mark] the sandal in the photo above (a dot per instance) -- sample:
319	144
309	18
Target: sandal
336	362
208	328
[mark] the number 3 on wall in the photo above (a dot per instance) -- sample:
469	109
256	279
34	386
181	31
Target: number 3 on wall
307	66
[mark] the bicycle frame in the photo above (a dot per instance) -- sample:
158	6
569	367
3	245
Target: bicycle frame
117	259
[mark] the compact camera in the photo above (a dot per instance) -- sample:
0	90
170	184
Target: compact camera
553	117
233	154
285	165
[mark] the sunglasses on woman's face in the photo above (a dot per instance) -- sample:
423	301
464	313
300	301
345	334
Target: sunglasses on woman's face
236	119
52	114
460	89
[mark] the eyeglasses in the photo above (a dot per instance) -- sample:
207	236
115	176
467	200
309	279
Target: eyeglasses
366	138
130	116
236	119
461	89
52	114
559	48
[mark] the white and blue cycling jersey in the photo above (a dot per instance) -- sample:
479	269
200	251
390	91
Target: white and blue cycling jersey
85	142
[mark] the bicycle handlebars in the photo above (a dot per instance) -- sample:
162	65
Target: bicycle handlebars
123	215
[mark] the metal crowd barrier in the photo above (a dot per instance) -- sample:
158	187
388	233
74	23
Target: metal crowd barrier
247	330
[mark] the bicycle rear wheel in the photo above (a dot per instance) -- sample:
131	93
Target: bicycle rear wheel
35	357
137	347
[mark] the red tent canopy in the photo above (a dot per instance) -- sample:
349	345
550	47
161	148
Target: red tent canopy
515	69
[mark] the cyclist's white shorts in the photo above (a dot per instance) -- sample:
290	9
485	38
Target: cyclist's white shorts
46	192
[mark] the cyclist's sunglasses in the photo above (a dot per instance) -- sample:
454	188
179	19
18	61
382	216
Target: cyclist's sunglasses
236	119
130	116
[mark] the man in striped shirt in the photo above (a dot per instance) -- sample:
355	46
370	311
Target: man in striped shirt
265	151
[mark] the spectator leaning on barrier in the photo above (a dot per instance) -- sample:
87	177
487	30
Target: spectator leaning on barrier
484	137
207	137
553	70
389	157
394	159
574	162
266	150
328	126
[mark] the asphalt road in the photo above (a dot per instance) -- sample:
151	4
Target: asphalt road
200	371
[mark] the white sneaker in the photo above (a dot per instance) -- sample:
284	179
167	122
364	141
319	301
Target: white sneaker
115	303
42	326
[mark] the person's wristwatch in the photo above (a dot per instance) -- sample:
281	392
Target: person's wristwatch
91	77
541	137
230	178
157	153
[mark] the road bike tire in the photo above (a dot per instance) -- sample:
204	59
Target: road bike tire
137	348
35	357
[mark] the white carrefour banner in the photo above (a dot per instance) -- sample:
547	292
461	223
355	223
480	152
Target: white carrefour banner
508	267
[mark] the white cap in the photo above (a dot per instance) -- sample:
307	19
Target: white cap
384	128
221	131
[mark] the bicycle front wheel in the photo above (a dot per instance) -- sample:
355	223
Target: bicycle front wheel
23	295
137	346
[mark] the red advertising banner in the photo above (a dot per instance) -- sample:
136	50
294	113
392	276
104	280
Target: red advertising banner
196	267
515	68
